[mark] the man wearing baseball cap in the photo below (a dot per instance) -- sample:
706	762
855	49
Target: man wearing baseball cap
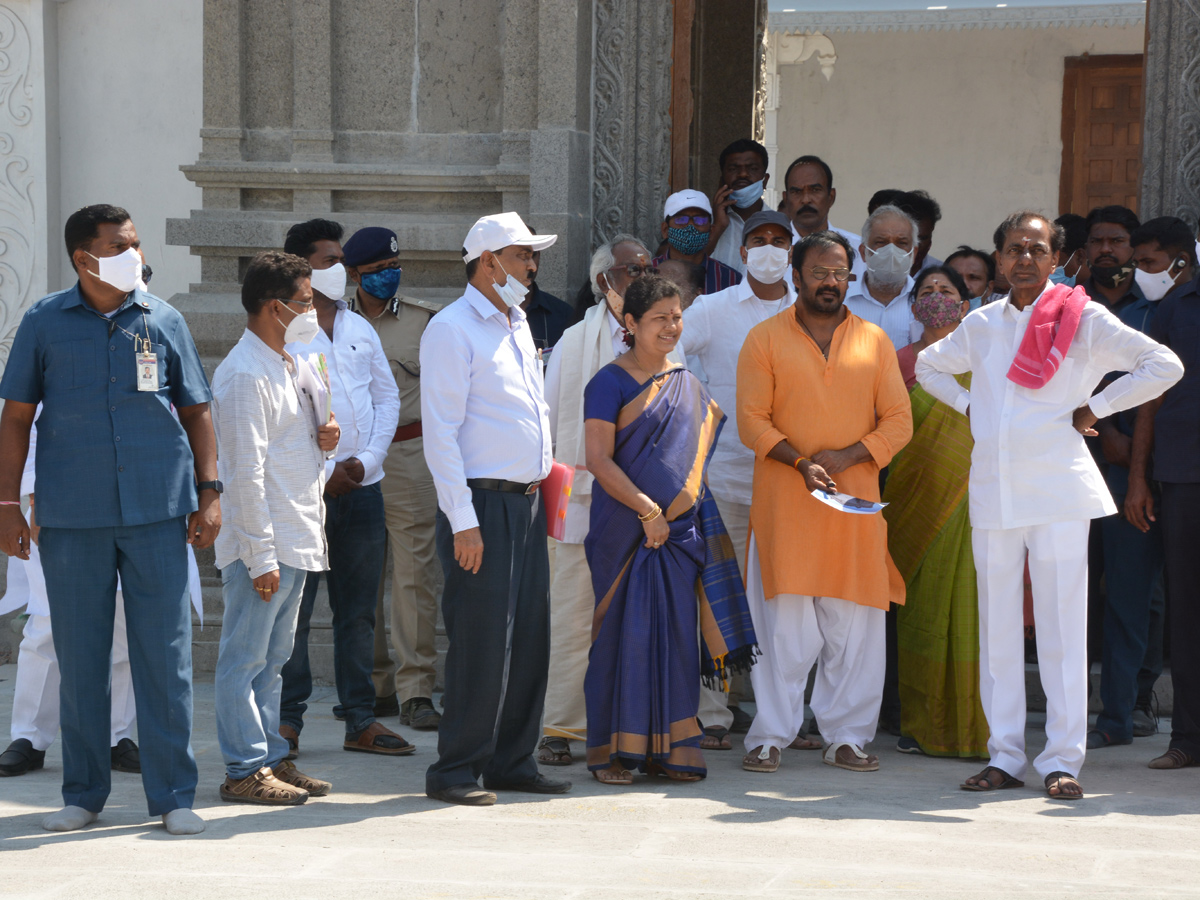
716	326
687	221
487	444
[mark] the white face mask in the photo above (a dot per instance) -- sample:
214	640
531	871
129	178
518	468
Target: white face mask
512	292
768	264
889	265
123	271
1157	285
330	282
302	329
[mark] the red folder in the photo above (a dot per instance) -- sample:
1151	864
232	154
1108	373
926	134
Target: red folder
556	493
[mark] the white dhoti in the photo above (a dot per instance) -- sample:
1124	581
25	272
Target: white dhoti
714	704
572	605
844	640
1058	573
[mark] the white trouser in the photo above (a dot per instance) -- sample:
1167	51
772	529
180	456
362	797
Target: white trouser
714	705
1058	572
846	643
35	695
572	605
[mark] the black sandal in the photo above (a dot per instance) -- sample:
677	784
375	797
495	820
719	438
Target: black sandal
555	751
1006	781
1064	780
720	735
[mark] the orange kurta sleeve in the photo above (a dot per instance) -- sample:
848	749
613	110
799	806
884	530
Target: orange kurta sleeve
755	395
893	410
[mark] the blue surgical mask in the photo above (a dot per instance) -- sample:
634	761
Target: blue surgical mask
1060	276
743	198
381	285
688	240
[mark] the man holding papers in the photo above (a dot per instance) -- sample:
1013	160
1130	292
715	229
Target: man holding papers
822	404
271	458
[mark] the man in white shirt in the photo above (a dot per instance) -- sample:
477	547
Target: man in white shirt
584	349
366	404
487	442
271	458
809	195
715	327
744	177
1034	488
883	296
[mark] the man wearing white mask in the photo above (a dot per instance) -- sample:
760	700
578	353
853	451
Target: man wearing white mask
272	457
744	177
715	328
366	404
883	296
584	349
487	442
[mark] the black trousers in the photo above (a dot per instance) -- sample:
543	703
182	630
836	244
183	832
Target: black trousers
498	623
1180	517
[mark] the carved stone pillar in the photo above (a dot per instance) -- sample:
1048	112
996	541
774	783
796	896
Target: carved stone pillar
1171	148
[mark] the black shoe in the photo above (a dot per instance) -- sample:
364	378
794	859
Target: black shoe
469	794
1145	718
339	713
20	757
386	706
419	713
539	784
125	757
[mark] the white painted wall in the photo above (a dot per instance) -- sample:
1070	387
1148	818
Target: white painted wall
973	117
130	86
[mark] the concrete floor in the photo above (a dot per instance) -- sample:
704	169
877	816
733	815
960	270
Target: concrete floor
810	829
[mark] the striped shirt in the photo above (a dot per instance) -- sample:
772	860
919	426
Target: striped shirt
269	460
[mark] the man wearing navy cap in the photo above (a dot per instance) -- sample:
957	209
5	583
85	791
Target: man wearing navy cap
487	443
372	257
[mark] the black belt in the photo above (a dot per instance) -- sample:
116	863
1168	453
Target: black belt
499	484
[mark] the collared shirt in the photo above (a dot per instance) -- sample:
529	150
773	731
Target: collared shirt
483	407
399	328
715	327
108	454
366	402
548	317
717	275
1029	466
270	462
1177	424
895	318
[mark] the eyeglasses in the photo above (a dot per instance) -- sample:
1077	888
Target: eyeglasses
305	307
635	271
698	221
822	272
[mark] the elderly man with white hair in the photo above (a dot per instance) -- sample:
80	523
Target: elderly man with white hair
583	350
882	296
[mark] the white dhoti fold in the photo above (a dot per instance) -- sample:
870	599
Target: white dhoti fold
844	640
1058	573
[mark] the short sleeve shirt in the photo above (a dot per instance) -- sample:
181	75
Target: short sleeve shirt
107	454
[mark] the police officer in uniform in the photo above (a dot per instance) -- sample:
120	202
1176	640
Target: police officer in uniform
372	259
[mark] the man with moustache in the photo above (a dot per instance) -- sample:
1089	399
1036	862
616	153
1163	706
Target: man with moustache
822	403
744	177
883	296
584	349
808	197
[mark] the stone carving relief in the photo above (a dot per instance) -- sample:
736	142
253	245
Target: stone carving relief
17	212
631	123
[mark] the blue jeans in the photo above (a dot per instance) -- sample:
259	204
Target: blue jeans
1133	564
81	567
357	536
256	638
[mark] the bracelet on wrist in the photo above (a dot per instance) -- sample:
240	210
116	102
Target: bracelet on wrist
800	459
10	502
652	515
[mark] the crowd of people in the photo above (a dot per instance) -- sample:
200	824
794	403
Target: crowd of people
815	469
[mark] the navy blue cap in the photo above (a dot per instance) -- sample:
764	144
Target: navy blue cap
368	245
764	217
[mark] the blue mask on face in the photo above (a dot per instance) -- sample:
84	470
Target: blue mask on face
747	196
1059	276
688	240
382	284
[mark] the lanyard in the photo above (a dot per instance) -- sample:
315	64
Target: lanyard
140	344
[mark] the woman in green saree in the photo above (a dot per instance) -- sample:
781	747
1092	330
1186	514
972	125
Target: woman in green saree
929	537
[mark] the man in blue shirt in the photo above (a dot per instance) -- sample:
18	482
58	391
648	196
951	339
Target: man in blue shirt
126	472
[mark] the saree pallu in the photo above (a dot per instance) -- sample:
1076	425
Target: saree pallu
643	680
929	537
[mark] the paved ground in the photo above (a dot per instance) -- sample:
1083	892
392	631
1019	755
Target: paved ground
810	829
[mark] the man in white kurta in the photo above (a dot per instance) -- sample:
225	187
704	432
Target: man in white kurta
1034	488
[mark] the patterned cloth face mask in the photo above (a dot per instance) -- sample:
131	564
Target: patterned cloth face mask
937	310
689	240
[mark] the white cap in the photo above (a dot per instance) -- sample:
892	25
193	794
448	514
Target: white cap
496	232
687	199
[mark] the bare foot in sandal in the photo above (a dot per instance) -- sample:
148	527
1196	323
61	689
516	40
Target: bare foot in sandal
716	738
554	751
656	770
991	779
804	742
760	760
614	774
1063	786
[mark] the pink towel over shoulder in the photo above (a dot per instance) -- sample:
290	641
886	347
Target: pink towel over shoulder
1048	335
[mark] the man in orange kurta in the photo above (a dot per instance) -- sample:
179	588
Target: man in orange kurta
821	401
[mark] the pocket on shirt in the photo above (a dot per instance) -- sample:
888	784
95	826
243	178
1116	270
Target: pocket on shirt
1057	389
72	362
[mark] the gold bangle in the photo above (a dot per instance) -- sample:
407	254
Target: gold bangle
652	515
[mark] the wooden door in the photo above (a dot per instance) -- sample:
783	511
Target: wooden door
1101	133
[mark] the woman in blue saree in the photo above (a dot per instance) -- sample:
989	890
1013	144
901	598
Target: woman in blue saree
662	564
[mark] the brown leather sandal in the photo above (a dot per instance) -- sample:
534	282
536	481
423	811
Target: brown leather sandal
287	772
364	742
289	734
263	788
554	751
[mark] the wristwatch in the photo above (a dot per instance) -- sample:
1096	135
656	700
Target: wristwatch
210	486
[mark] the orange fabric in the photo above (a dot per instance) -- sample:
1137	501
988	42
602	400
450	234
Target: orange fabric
787	391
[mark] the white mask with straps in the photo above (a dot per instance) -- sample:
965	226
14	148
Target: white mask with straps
123	271
512	292
303	327
1156	285
330	282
